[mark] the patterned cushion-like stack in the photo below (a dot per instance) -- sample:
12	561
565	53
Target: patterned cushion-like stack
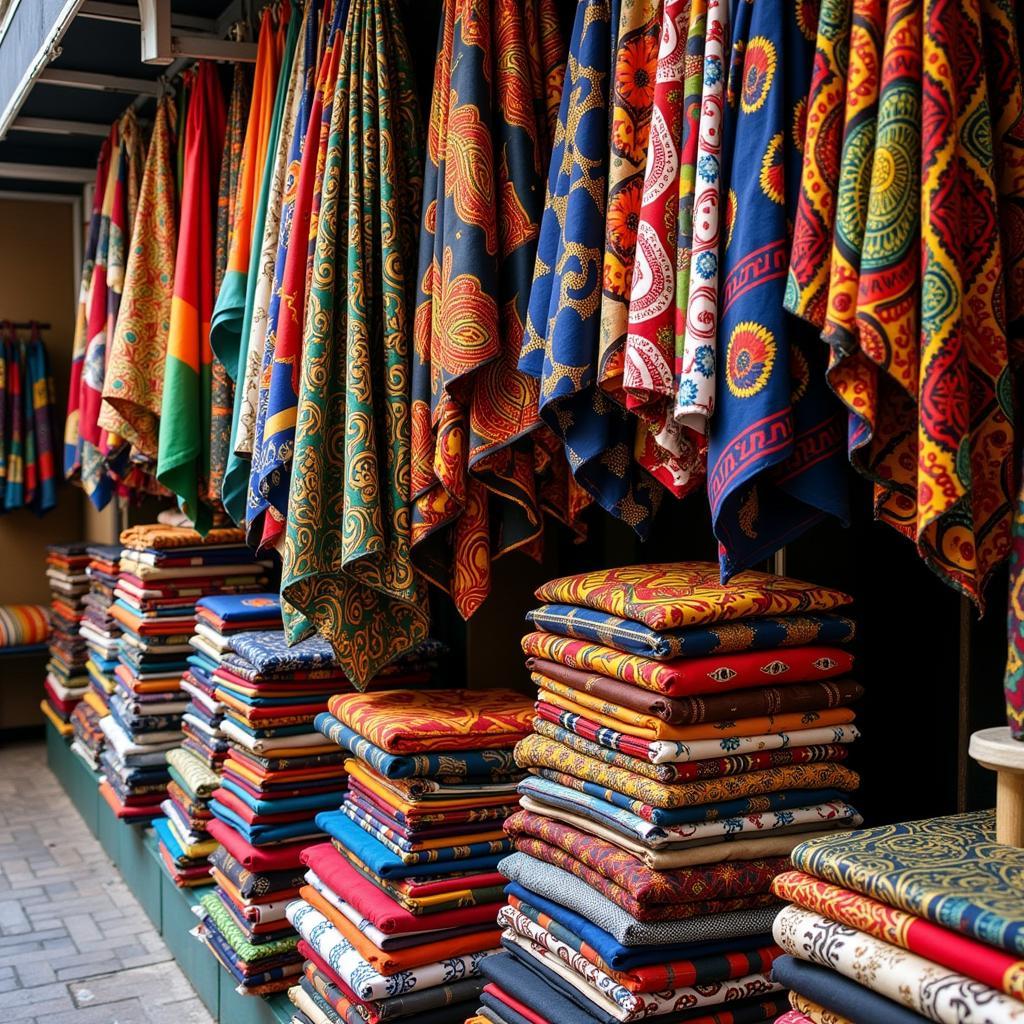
688	734
904	923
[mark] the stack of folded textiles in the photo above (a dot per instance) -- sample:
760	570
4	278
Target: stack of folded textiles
399	910
688	735
278	774
185	843
66	677
163	572
920	921
100	631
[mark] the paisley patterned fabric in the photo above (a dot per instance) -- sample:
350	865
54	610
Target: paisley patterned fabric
634	87
938	993
678	594
563	342
948	870
347	570
183	464
133	386
412	721
498	74
633	637
648	376
806	1010
992	967
775	459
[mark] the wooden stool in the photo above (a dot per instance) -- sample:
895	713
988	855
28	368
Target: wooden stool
998	751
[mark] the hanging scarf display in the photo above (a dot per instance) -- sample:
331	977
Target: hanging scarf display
562	338
14	425
222	388
41	464
775	460
650	375
474	412
266	224
271	475
347	569
296	129
133	386
183	464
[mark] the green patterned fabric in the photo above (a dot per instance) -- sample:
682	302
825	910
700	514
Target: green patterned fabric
235	937
197	778
347	571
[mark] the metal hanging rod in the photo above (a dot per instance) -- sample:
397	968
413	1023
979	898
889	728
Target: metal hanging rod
24	325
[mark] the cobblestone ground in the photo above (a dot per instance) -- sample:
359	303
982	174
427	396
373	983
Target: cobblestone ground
75	946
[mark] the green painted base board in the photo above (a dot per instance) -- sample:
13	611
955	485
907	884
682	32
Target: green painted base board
138	859
201	969
80	782
238	1009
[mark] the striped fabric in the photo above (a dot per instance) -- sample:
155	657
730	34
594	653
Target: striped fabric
23	625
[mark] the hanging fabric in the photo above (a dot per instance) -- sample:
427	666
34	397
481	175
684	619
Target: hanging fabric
183	464
222	388
347	569
775	459
40	398
14	427
276	436
133	385
561	343
295	130
266	223
476	460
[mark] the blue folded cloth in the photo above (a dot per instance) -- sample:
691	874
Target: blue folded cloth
241	608
839	994
458	763
166	835
313	802
624	958
385	863
268	651
263	835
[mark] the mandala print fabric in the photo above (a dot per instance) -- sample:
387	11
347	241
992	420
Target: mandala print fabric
475	452
775	461
347	569
562	343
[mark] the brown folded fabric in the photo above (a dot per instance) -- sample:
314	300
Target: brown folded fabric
717	707
156	535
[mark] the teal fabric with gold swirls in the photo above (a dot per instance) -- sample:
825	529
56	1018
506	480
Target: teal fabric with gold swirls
949	870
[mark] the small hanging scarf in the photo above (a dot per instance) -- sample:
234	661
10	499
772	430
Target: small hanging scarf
775	459
183	464
475	456
133	386
41	468
14	485
347	569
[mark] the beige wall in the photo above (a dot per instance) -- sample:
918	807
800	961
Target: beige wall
37	283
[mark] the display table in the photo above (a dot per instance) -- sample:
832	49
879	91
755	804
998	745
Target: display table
134	851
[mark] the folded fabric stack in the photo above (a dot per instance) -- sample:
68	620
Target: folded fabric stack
100	631
185	843
920	921
399	909
163	572
688	734
66	676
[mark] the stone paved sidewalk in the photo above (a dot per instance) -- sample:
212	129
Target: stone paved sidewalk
75	946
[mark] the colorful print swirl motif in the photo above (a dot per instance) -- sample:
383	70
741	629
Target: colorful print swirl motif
1013	678
695	389
775	459
912	981
347	570
634	85
473	410
674	594
807	286
807	1011
992	967
948	870
561	340
135	372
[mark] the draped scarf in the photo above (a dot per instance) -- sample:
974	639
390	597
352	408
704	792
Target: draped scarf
183	459
347	569
474	411
775	459
133	387
277	432
561	343
305	76
41	459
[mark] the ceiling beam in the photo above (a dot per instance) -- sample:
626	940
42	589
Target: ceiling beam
128	14
98	82
47	172
58	126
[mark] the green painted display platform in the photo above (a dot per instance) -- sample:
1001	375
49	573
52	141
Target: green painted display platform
135	852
